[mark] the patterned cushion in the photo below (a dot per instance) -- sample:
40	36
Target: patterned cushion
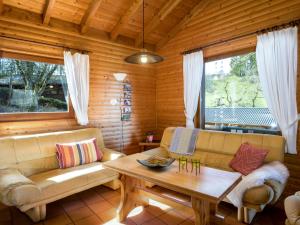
248	158
74	154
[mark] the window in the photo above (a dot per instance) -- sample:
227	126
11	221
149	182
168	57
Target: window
31	87
234	97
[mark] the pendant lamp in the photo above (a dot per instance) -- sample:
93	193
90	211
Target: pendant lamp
143	56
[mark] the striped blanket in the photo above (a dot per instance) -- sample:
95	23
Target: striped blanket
184	141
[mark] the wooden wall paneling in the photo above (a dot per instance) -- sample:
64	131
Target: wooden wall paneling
181	25
1	6
105	59
221	19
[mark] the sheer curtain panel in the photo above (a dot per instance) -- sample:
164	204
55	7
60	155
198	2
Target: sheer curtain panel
276	54
77	70
192	76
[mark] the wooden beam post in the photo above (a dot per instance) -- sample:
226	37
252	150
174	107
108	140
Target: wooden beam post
183	23
135	5
167	8
47	11
87	18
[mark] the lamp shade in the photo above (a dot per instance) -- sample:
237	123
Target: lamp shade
143	57
120	76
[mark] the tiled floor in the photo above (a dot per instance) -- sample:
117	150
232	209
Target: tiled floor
98	206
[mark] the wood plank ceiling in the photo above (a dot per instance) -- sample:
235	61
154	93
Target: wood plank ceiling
114	19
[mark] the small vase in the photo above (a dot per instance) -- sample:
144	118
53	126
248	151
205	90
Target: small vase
149	138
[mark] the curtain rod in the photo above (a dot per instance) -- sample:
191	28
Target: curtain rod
278	27
83	51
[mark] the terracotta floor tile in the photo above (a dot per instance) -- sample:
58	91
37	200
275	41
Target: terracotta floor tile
58	220
154	221
172	218
91	197
92	220
107	215
155	211
109	194
100	207
80	213
188	222
115	201
141	217
73	204
54	209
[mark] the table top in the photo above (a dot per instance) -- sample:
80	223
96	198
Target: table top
211	184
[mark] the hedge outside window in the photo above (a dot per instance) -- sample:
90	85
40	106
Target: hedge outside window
32	87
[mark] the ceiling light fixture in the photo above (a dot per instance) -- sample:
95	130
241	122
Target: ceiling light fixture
144	56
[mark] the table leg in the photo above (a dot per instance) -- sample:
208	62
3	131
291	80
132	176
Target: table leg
202	211
130	196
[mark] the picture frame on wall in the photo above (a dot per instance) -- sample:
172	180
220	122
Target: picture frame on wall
126	116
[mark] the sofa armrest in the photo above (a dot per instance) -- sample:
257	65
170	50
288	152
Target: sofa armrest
292	209
16	189
268	193
109	154
160	151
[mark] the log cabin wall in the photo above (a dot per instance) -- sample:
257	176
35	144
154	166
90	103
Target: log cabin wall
220	20
105	59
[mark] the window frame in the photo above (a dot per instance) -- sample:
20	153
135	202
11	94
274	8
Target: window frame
33	116
256	129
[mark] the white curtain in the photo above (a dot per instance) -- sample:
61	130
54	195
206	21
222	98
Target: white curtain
77	72
276	55
192	77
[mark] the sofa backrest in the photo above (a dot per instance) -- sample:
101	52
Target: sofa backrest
216	148
36	153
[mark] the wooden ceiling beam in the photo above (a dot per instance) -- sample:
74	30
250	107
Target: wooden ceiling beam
89	14
167	8
48	11
183	23
135	5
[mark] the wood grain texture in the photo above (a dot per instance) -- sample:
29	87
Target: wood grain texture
219	21
89	14
124	19
1	6
185	182
167	8
48	11
121	16
105	59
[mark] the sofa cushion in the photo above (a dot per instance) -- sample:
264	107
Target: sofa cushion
248	158
59	181
78	153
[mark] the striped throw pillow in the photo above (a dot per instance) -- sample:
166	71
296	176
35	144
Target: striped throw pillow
78	153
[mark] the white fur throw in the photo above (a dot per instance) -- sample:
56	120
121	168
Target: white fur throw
274	170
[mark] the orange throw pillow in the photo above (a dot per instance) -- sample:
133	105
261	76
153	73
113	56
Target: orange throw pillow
248	158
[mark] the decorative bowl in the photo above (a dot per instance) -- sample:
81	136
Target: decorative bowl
156	162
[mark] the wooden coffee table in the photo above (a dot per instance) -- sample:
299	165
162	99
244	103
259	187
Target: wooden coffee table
209	187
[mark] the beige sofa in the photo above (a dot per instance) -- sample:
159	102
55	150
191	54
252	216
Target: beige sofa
216	149
30	176
292	209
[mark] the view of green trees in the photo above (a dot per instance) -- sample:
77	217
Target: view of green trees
239	88
23	85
